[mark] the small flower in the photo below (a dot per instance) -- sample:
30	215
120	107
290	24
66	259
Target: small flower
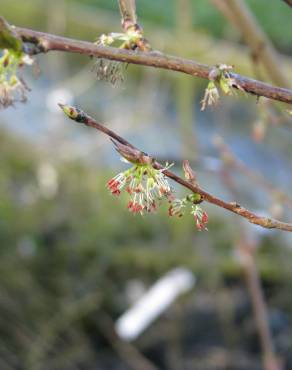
200	216
105	40
227	83
178	207
135	207
128	40
113	71
211	96
116	184
219	75
109	71
145	185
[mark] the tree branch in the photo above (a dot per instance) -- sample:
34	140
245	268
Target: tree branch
45	42
260	310
128	13
239	14
233	162
246	247
268	223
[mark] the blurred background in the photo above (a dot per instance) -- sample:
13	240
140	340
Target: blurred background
73	260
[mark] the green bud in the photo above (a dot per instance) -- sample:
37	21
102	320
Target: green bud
195	198
73	113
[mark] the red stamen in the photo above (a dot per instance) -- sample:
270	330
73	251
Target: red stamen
205	218
134	207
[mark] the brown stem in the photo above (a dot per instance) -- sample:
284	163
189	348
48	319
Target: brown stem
235	163
46	42
246	250
128	13
259	305
234	207
239	14
129	23
288	2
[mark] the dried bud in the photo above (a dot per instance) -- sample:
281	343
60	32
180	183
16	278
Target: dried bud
130	154
190	175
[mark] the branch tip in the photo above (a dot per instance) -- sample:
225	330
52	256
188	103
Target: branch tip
73	113
128	150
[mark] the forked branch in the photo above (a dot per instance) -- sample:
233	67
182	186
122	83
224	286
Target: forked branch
268	223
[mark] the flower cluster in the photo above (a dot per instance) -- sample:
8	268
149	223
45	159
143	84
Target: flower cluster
200	216
211	96
178	207
219	76
145	185
112	71
12	87
109	71
126	40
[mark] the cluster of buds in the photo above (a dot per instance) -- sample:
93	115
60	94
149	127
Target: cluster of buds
145	185
219	76
12	87
178	208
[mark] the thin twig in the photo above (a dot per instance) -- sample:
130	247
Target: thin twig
233	162
130	24
128	13
45	42
239	14
234	207
246	248
288	2
259	305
